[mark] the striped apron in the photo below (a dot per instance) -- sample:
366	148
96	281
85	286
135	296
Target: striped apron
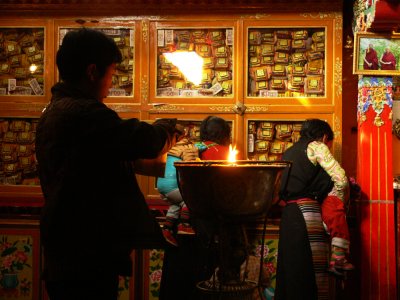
302	253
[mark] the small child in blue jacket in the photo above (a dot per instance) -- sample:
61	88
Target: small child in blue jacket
177	218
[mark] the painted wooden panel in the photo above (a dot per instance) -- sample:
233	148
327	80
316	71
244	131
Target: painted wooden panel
19	263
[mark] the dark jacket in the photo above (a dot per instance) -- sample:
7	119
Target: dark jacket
94	213
304	180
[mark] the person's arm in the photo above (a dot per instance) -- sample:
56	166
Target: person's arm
366	60
382	62
319	153
128	139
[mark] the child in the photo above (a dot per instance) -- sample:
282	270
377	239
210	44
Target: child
334	217
177	218
215	134
333	211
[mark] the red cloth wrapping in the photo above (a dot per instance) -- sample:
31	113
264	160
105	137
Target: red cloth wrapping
388	57
371	57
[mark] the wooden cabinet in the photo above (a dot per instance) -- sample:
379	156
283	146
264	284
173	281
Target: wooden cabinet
214	44
26	62
237	81
248	69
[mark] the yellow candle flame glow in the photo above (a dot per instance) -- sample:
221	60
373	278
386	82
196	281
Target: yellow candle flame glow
232	154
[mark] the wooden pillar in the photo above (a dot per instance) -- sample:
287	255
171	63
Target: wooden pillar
376	207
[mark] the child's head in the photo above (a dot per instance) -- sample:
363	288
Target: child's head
316	130
215	129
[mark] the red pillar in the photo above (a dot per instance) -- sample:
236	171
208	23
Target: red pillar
375	176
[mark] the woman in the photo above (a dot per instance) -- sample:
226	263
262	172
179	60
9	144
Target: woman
303	247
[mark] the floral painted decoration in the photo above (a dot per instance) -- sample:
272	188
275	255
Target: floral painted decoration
14	256
15	266
374	92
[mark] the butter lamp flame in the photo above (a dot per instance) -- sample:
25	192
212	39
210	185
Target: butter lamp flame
232	154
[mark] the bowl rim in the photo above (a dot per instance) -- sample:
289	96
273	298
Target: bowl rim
238	163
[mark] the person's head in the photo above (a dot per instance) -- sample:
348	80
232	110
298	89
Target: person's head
387	50
87	58
215	129
316	130
370	46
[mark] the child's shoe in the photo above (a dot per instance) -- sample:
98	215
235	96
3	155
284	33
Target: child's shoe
338	262
339	266
344	264
335	271
185	228
169	236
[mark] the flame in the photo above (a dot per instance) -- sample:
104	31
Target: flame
232	154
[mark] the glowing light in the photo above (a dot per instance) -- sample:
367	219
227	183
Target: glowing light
189	63
232	154
32	68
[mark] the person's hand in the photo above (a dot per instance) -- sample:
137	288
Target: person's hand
346	196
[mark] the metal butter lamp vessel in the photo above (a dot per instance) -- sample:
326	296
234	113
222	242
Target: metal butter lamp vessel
227	195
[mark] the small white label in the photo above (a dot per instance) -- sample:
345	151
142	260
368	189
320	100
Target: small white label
12	84
116	92
216	88
169	37
268	93
160	38
35	87
251	143
188	93
131	38
167	92
229	37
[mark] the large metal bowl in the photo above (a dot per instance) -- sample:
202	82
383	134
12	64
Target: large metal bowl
234	191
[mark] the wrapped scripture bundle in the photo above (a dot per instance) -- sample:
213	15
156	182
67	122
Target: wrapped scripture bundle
221	63
300	34
254	50
261	146
314	85
259	73
296	70
267	60
283	131
254	37
268	38
221	51
278	70
318	36
277	84
284	45
281	58
267	50
277	147
299	45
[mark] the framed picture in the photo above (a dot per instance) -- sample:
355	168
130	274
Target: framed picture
376	54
